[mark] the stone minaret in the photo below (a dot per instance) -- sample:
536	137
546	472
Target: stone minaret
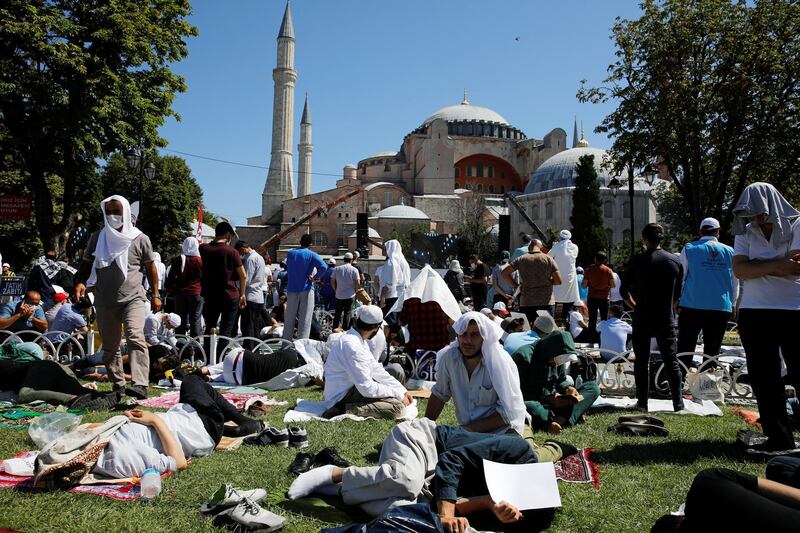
279	186
304	150
575	133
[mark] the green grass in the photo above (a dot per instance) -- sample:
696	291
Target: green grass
641	478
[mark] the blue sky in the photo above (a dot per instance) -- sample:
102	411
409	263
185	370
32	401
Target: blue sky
374	70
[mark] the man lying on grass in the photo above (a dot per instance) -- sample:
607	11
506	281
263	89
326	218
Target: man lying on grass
420	462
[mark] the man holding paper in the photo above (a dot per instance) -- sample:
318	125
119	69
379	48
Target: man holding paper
420	462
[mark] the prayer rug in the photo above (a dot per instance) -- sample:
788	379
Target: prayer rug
578	468
21	415
169	399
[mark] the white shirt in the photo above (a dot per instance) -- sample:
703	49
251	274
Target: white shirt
155	332
134	447
768	292
615	295
351	364
377	345
613	335
575	318
565	253
391	289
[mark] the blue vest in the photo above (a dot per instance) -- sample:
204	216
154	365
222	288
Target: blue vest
708	283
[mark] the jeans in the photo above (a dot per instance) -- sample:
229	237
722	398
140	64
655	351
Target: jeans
641	367
343	313
225	311
190	308
596	305
299	311
110	321
252	323
784	470
211	407
765	335
691	321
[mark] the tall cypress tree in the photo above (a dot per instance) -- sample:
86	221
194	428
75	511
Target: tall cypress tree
587	216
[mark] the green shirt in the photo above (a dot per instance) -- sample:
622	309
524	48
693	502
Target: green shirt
539	379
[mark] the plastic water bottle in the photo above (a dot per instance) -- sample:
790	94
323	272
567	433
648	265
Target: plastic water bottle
150	483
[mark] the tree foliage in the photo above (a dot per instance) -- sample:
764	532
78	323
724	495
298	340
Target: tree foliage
473	231
587	215
170	200
710	89
80	80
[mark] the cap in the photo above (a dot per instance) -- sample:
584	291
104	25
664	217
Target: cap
6	265
174	320
565	234
486	311
500	306
509	321
356	255
505	255
544	322
579	270
709	223
60	297
370	314
348	255
331	261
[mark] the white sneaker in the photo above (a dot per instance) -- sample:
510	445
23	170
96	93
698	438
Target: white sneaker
228	496
257	520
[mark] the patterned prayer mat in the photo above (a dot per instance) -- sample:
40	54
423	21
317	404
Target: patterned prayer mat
168	399
578	468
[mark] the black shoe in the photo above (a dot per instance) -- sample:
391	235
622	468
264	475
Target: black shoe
301	464
566	449
329	456
137	391
106	402
269	437
773	448
298	437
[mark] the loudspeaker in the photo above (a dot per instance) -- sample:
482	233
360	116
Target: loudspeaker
504	234
362	231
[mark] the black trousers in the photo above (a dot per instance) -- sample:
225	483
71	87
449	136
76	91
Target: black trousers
726	500
49	375
252	323
479	292
213	409
222	310
765	335
667	342
390	319
596	305
190	308
691	322
343	313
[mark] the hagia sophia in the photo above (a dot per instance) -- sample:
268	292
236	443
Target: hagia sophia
457	152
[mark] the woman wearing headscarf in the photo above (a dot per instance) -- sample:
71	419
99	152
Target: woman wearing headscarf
183	282
395	276
454	277
113	262
766	257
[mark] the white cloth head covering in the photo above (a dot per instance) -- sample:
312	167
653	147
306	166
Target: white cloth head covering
501	368
455	266
174	320
396	270
565	234
190	248
370	314
565	253
112	245
764	199
429	286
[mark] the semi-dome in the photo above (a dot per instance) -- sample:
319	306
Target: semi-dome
559	171
372	234
402	211
468	112
387	153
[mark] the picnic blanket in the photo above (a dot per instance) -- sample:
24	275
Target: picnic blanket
169	399
126	491
19	416
578	468
306	410
699	408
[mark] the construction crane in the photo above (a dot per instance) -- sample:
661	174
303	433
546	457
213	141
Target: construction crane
513	201
324	208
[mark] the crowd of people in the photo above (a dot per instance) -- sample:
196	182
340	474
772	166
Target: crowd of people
501	356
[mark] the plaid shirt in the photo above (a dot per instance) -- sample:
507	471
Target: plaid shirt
427	325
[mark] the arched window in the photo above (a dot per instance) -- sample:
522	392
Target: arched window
608	209
480	188
610	236
347	215
626	209
491	188
480	169
458	173
490	170
469	171
502	189
387	198
319	238
339	215
469	186
535	211
548	211
458	185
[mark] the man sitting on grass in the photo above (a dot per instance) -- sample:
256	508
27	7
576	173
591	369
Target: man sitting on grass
551	397
420	462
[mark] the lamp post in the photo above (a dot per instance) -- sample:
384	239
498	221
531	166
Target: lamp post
147	170
630	194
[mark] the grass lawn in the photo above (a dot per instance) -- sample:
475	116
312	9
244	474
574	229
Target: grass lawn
641	478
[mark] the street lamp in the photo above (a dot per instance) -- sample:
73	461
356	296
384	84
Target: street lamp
614	185
135	159
650	173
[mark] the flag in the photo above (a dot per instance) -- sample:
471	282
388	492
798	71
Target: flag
200	223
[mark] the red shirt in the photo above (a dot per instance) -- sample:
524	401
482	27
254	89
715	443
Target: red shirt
186	281
599	278
220	262
427	325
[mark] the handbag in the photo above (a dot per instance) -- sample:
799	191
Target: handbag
362	297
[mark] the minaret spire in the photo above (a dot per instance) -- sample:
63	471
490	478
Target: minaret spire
465	101
280	186
304	150
575	133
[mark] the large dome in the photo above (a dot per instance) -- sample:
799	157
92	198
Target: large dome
402	211
559	171
465	111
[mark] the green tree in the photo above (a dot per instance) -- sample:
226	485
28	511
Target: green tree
474	232
587	217
708	88
78	81
170	200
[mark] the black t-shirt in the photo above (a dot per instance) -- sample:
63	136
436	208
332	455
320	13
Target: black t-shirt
12	374
480	271
655	279
257	368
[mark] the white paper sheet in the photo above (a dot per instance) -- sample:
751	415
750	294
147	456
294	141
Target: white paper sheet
528	486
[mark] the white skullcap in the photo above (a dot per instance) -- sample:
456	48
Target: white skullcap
709	223
348	255
331	261
565	234
174	320
486	311
370	314
544	322
500	306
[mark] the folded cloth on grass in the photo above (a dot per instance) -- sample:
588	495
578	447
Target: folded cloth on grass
751	417
169	399
306	410
703	408
122	489
578	468
19	416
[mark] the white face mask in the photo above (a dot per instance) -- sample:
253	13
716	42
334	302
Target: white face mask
115	221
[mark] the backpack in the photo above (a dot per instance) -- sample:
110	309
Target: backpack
584	367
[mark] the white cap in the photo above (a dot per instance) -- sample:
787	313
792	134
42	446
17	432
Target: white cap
565	234
486	311
500	306
6	265
370	314
709	223
356	255
174	320
348	255
331	261
544	322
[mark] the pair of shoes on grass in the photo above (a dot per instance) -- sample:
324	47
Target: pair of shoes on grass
639	426
238	508
304	461
292	436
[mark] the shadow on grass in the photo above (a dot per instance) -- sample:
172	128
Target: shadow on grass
682	452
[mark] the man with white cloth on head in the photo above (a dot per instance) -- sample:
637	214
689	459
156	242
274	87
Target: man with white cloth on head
113	263
480	377
355	382
394	276
565	253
